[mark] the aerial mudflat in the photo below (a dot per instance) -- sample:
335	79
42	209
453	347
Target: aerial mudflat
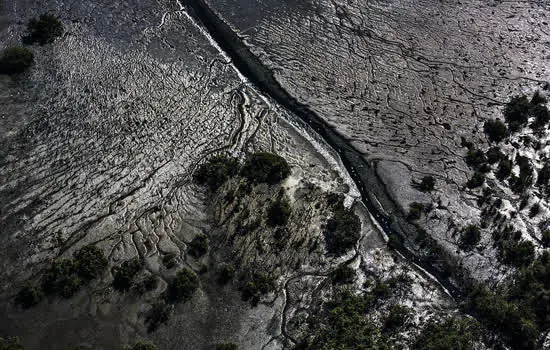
274	175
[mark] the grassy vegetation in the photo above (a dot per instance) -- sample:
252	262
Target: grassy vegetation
15	60
183	286
265	167
43	30
343	229
125	273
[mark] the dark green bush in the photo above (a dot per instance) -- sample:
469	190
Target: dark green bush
517	253
343	275
260	284
538	98
227	273
169	261
516	112
183	286
278	213
125	273
159	314
535	209
216	171
62	279
495	130
541	114
544	175
265	167
453	333
28	296
494	155
477	180
43	30
90	262
198	246
148	284
546	238
343	230
398	317
15	60
226	346
475	158
415	211
504	169
470	237
427	184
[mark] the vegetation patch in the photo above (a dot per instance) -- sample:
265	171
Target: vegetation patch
29	295
183	286
227	346
427	184
216	171
470	237
125	273
265	168
495	130
279	212
43	30
398	318
343	230
142	346
343	275
226	274
159	314
453	333
260	284
198	246
15	60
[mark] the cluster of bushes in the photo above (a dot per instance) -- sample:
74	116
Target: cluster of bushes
226	274
470	237
343	229
452	333
519	109
42	30
343	275
260	284
125	273
65	277
512	250
427	184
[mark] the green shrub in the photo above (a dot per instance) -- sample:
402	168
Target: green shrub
517	253
398	317
43	30
546	238
260	284
494	155
343	275
516	112
227	273
15	60
278	213
148	284
265	167
62	279
28	296
415	211
169	261
183	286
475	158
226	346
544	175
453	333
535	209
504	169
538	98
470	237
10	343
477	180
125	273
495	130
159	314
216	171
542	116
427	184
343	230
198	246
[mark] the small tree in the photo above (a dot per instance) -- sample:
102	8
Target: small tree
183	286
198	246
125	273
29	296
278	213
15	60
470	237
427	184
216	171
43	30
477	180
516	112
226	346
265	167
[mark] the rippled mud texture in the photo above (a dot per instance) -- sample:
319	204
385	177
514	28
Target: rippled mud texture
404	81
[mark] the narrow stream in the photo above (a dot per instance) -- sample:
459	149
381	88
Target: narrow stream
373	192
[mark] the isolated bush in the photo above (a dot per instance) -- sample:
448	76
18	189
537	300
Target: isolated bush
343	230
43	30
415	211
278	213
493	155
62	279
226	346
148	284
28	296
90	262
125	273
216	171
495	130
504	169
546	238
343	275
535	209
477	180
260	284
227	273
427	184
198	246
544	175
183	286
470	237
265	167
15	60
542	116
475	158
